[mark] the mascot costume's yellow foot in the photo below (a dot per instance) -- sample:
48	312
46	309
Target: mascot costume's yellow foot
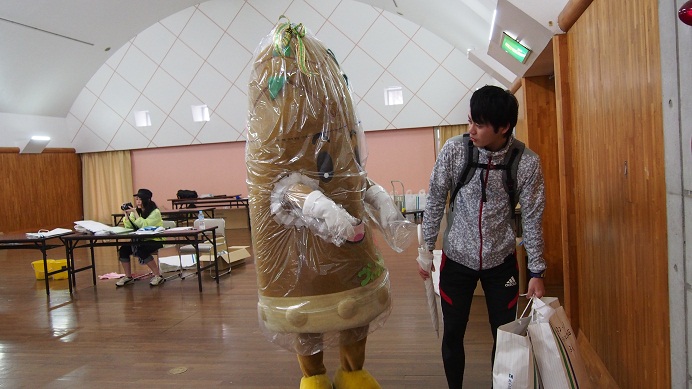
359	379
320	381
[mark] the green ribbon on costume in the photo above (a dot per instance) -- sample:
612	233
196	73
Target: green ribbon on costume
276	83
372	271
282	37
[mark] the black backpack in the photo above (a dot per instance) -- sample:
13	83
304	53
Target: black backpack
509	169
187	194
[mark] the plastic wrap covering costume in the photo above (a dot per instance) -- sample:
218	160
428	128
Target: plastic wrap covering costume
321	280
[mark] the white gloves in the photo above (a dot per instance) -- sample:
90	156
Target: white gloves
339	223
383	206
397	231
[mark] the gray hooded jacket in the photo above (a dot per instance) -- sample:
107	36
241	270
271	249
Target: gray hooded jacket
481	235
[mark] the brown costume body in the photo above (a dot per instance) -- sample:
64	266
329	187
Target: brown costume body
315	288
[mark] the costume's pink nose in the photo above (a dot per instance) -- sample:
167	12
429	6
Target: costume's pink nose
359	233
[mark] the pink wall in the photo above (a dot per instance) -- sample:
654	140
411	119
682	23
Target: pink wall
217	168
404	155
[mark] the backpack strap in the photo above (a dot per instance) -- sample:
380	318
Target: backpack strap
511	166
469	168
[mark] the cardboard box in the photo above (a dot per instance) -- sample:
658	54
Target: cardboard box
234	217
235	256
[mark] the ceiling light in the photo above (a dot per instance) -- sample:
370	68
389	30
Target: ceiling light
393	95
36	144
142	119
200	113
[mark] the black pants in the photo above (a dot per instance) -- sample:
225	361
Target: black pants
142	250
457	283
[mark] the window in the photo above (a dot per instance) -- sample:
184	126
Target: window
142	119
393	95
200	113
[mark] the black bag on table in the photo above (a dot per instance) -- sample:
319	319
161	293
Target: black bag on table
187	194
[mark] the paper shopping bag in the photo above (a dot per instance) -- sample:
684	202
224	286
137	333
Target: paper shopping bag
555	347
514	366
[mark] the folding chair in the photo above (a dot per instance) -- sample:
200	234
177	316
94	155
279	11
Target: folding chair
208	248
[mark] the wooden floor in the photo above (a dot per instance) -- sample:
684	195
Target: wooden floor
141	336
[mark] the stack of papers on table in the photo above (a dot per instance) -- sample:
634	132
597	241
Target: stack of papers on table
173	229
91	226
48	234
119	230
99	228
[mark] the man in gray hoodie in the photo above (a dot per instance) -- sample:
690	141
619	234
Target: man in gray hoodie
479	242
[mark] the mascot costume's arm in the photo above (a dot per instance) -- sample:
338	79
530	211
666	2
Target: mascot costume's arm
310	207
397	231
384	209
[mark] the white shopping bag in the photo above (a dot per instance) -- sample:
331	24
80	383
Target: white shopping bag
555	347
514	367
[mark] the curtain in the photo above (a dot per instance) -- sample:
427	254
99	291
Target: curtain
107	183
443	133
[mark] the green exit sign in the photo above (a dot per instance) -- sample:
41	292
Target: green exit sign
514	48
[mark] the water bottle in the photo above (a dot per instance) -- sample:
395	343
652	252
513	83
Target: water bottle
200	219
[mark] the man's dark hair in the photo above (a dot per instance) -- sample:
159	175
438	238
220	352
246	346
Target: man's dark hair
495	106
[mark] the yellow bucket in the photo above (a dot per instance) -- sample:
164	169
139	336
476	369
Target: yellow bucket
56	265
53	265
38	269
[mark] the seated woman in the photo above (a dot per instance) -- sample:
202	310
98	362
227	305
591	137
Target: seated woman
145	213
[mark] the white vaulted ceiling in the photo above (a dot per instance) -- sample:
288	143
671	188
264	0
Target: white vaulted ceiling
168	55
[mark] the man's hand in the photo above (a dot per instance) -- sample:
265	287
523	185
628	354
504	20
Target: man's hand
536	288
425	263
424	274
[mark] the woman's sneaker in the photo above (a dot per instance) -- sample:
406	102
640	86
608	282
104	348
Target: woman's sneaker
124	281
157	280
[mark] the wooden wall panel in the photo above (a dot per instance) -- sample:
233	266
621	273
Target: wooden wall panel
39	190
541	132
619	189
520	131
565	134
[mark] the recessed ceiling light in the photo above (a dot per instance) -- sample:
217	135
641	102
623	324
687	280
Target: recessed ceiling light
36	144
393	95
142	119
200	113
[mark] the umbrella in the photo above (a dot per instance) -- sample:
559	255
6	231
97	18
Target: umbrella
425	260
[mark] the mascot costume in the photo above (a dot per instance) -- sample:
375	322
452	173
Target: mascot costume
322	282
